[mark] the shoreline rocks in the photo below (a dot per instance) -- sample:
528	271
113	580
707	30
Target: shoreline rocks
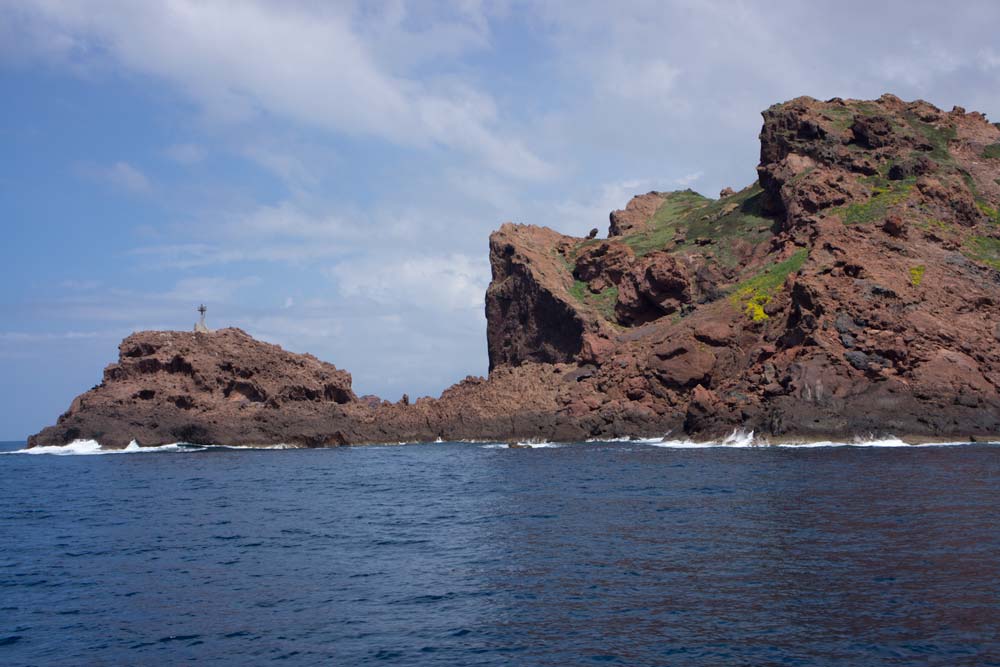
854	290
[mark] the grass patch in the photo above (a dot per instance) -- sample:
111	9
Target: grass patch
937	137
579	290
580	247
752	295
666	222
970	182
990	212
720	221
917	274
936	223
885	195
840	117
866	108
992	152
983	249
603	302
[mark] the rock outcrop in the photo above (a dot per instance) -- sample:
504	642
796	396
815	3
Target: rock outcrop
637	214
854	289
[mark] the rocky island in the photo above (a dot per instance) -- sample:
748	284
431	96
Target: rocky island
851	290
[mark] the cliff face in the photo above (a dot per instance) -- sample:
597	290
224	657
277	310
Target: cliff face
203	387
851	290
531	313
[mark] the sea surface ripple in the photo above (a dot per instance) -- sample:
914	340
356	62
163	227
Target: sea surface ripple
465	554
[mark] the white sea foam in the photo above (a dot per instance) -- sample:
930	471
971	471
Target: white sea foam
629	439
857	442
736	439
740	439
746	439
77	448
280	445
525	444
93	448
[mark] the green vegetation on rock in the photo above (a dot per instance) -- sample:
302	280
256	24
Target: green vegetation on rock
603	302
992	152
937	137
917	274
867	108
695	220
666	221
990	212
985	249
970	182
885	195
935	224
841	117
752	295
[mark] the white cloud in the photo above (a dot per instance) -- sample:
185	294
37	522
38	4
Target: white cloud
449	282
687	180
30	337
302	63
120	175
209	288
186	153
577	218
652	81
289	168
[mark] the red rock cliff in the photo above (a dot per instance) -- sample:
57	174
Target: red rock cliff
852	290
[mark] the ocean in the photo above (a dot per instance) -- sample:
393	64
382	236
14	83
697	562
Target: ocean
630	553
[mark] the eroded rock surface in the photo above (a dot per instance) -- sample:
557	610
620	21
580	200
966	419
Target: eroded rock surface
854	289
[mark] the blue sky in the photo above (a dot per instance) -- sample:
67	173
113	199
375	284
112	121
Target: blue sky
326	175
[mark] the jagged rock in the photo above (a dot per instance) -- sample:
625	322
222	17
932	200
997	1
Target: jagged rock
171	385
637	214
603	265
910	167
949	199
529	312
596	349
873	131
682	364
852	290
894	225
703	409
655	286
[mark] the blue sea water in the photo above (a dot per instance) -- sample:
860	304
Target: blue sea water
461	554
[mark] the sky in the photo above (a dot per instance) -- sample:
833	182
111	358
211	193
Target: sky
325	175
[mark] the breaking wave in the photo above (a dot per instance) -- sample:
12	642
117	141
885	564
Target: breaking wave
740	439
93	448
746	439
525	445
735	440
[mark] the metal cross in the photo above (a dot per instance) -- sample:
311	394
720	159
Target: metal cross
202	309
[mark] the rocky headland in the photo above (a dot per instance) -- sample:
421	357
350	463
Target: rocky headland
851	290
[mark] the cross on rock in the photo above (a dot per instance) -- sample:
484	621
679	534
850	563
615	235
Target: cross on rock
201	327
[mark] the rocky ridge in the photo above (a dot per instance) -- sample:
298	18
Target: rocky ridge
851	290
